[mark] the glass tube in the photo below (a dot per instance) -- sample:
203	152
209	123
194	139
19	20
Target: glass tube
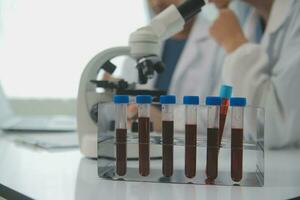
167	103
237	134
144	103
121	133
225	94
191	105
213	114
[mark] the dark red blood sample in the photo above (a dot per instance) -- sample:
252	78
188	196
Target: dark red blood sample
167	136
212	153
121	137
223	114
144	134
190	150
236	154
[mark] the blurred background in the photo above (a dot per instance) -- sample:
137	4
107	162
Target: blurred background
44	46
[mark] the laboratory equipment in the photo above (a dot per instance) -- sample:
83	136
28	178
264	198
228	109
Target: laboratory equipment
191	104
237	134
144	47
213	113
167	106
144	103
121	102
225	94
253	149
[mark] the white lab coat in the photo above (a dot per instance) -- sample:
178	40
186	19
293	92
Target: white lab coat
268	74
198	71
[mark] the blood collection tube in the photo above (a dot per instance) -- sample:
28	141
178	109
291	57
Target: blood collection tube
225	94
237	125
213	112
191	104
144	103
121	102
167	103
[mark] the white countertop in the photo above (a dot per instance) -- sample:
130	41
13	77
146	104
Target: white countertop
66	174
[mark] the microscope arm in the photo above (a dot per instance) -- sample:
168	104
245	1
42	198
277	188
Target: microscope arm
87	97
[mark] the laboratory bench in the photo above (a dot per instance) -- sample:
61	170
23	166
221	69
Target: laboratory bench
67	174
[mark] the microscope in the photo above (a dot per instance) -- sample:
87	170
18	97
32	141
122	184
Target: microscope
144	48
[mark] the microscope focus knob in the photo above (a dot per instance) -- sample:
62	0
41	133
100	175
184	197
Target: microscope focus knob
145	69
94	113
159	67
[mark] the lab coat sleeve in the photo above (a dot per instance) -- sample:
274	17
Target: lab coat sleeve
247	69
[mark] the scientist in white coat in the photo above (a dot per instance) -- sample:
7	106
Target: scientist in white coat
197	71
266	73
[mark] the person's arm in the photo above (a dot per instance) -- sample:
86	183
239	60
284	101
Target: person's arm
278	92
244	62
248	69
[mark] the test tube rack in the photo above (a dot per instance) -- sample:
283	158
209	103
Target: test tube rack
253	150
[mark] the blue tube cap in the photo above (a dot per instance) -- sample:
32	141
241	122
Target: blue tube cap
238	101
120	99
213	101
191	100
143	99
226	91
167	99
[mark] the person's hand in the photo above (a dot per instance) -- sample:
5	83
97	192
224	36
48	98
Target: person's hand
227	31
106	77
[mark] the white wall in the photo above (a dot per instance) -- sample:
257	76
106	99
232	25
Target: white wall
45	44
